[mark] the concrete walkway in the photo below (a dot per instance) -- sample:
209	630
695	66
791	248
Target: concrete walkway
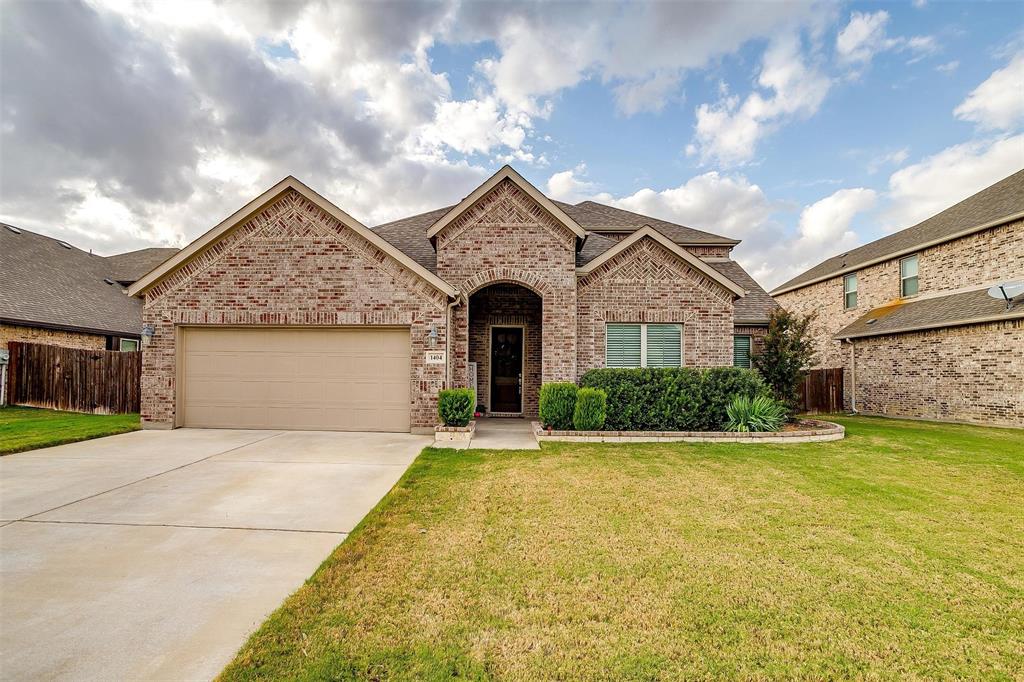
499	433
154	554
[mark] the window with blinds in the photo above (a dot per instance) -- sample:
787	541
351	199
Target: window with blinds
624	346
644	345
664	345
741	351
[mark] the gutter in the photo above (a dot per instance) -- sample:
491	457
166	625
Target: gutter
69	328
853	375
902	252
448	339
938	325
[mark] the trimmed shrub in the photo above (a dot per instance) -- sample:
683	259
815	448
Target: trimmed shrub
455	406
591	408
557	404
671	399
760	413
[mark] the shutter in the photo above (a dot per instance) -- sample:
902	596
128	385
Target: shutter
664	345
741	351
622	345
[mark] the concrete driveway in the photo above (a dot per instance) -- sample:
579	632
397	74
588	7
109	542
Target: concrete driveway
155	554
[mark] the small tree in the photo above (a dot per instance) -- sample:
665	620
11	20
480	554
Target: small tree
787	354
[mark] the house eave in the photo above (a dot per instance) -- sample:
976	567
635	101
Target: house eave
1016	315
96	331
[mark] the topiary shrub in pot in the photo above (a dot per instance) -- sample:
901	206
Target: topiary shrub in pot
557	404
760	413
591	408
455	406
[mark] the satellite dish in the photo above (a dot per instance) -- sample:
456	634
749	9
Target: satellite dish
1007	291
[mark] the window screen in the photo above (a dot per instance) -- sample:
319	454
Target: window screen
623	345
663	345
741	351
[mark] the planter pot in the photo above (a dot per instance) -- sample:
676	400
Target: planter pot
445	435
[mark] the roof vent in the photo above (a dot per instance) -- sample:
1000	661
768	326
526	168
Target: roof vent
108	281
64	244
872	320
12	228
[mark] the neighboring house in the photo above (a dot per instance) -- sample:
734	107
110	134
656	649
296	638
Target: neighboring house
909	319
291	314
51	292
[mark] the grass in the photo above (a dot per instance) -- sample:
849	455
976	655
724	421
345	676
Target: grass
896	553
28	428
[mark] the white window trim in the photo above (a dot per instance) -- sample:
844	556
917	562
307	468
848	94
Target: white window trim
643	342
917	276
121	342
847	292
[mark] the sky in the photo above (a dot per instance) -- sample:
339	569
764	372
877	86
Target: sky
801	128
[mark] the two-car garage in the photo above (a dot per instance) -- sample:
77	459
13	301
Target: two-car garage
340	379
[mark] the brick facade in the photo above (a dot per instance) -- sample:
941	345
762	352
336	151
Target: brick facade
506	237
647	283
513	306
983	258
53	337
971	374
291	264
756	334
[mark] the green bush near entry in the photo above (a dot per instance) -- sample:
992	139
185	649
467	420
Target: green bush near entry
591	409
557	405
455	406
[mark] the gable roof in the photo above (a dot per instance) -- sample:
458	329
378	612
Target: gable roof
957	309
49	283
242	214
129	267
506	172
597	217
648	232
757	305
993	206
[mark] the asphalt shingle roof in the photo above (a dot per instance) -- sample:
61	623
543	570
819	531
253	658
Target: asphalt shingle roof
1001	200
757	305
131	266
43	282
969	307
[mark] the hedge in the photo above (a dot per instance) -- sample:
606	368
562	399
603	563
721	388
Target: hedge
672	399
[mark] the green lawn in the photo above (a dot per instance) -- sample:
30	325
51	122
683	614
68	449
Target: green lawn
897	553
28	428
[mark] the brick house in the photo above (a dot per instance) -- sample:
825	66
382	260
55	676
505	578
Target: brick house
54	293
291	314
909	318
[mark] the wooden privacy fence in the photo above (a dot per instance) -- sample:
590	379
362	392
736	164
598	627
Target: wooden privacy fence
822	391
74	379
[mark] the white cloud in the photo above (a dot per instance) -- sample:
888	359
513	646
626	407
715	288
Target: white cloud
866	35
729	131
651	94
888	158
998	103
923	189
948	67
825	224
862	37
568	186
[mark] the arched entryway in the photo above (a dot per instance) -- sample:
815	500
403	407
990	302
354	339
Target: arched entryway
506	348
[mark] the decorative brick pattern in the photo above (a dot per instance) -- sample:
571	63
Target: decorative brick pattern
533	250
647	283
54	337
984	257
291	264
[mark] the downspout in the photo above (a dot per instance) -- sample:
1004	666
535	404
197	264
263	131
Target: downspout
853	375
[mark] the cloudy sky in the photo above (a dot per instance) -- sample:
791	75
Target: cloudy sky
801	128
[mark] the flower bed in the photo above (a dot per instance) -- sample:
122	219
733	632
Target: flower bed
806	431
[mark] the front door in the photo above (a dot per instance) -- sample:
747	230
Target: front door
506	369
